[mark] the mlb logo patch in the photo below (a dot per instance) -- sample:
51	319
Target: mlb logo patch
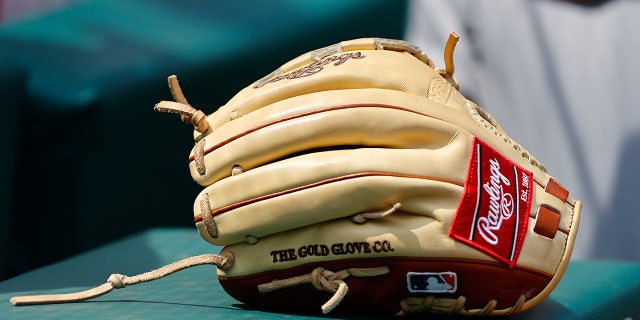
432	282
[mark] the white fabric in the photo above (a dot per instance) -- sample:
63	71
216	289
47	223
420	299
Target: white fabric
562	80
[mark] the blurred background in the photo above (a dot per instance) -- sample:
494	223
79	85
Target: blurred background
85	159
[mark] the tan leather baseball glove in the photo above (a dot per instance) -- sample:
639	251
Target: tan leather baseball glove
357	178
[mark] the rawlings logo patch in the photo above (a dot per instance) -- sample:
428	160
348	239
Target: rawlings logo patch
494	210
432	282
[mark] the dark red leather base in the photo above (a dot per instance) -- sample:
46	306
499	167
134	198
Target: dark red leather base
478	281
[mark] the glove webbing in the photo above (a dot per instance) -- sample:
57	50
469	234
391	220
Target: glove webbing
117	281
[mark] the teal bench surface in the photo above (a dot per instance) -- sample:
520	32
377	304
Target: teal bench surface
589	289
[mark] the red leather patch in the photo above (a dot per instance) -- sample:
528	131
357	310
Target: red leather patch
493	213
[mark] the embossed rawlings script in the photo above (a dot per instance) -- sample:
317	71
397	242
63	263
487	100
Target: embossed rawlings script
494	210
313	68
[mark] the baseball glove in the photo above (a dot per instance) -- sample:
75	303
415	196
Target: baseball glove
356	177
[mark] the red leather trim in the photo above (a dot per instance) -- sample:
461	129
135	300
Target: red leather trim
349	106
478	281
232	206
556	189
547	222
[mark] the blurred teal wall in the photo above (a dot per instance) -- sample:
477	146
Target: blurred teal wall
85	159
